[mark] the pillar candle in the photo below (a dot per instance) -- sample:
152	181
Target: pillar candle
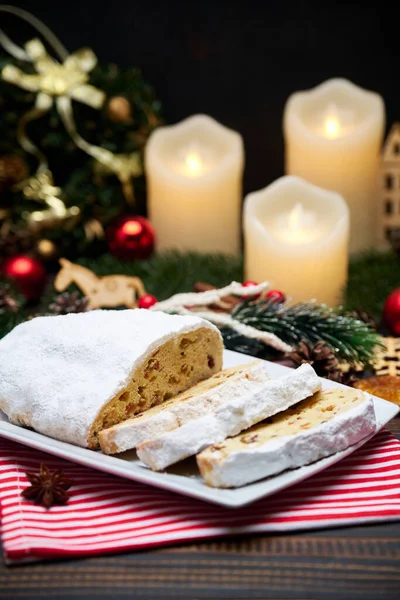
296	237
333	135
194	176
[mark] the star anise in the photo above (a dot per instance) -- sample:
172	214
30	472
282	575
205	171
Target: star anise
47	488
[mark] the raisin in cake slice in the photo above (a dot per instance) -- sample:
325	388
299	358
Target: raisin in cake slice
71	376
330	421
231	418
191	404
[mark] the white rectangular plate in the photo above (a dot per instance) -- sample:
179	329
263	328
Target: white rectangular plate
184	478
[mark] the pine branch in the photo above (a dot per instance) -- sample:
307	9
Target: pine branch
372	277
169	273
352	340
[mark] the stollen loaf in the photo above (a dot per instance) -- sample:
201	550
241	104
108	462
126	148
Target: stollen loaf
231	418
330	421
187	406
71	376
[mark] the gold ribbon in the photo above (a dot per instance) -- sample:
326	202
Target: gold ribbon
41	188
93	229
61	83
124	166
57	79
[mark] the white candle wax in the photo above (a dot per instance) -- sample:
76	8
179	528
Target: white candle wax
333	135
296	237
194	176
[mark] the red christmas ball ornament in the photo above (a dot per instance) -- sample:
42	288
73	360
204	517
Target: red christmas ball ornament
131	237
251	284
147	300
28	274
391	312
276	296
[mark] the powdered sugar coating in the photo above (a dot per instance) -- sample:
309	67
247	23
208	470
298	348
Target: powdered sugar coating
251	464
57	373
132	432
230	419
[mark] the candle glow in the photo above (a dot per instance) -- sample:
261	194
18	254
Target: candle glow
332	127
194	183
296	237
333	137
298	226
194	164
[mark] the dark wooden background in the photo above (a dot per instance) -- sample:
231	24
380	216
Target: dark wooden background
236	60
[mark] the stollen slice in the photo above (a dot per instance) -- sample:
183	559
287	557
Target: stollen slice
330	421
231	418
191	404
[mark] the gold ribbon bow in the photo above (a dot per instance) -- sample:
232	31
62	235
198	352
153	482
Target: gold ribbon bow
60	83
55	79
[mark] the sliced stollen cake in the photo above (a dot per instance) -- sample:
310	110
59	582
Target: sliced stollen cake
71	376
191	404
231	418
330	421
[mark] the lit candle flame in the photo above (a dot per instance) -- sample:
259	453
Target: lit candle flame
332	127
297	226
194	164
296	217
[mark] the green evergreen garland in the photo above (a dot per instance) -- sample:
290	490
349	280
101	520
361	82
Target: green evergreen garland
372	277
352	340
169	273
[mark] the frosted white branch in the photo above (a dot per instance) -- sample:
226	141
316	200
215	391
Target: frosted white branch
225	320
197	303
209	297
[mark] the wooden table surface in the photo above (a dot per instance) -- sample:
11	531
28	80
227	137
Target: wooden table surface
360	563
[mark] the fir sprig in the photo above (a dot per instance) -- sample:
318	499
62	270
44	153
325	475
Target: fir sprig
168	273
352	340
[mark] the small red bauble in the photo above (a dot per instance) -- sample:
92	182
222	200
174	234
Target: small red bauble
131	237
251	284
28	274
391	312
276	296
146	301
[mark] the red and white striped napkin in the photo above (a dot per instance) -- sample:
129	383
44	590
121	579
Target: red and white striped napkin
108	514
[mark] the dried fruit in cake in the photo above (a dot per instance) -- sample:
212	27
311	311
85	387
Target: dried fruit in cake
73	375
328	422
236	414
195	402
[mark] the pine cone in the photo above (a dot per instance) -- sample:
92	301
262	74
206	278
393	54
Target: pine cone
15	242
350	378
12	169
364	316
7	302
320	356
67	303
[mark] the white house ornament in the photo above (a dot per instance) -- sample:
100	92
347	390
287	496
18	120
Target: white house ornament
389	191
